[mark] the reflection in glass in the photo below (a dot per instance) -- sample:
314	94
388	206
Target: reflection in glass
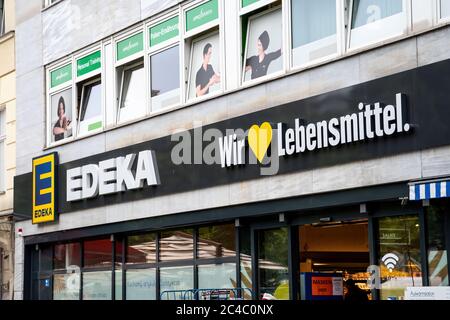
132	104
445	8
368	11
399	255
141	249
175	279
98	253
66	255
141	284
219	276
165	78
91	107
216	242
437	250
246	260
66	286
273	263
176	245
97	285
313	30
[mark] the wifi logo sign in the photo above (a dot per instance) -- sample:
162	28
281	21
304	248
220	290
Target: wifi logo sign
390	260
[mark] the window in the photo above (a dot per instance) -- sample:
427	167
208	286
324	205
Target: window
176	245
216	242
399	255
67	256
141	284
202	37
217	276
263	50
2	150
314	28
97	285
90	111
445	9
98	253
132	92
437	224
2	17
165	78
175	279
375	20
141	249
61	115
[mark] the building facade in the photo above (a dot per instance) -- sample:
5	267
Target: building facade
269	149
7	145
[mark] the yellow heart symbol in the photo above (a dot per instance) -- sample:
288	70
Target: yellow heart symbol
259	139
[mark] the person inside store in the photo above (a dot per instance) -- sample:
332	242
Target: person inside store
206	76
259	64
354	293
62	125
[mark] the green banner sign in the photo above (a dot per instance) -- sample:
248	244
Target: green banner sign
248	2
60	76
202	14
89	63
164	31
130	46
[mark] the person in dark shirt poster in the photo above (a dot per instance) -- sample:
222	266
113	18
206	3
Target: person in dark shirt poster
206	76
259	64
62	125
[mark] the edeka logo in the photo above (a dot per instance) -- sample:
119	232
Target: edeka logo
44	184
268	142
112	176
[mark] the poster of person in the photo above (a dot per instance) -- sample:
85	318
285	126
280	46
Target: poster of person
204	76
61	115
263	54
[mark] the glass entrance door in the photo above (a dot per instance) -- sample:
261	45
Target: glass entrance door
273	269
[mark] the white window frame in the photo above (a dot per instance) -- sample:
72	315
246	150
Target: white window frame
93	75
440	19
283	47
54	91
340	32
3	154
253	6
87	83
126	64
406	16
200	32
130	66
161	47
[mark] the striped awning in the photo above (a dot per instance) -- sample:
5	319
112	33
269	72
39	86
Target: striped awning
429	190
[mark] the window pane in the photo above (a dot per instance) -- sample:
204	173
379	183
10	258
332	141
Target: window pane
66	255
98	253
165	78
368	11
176	245
176	279
133	105
246	260
118	284
141	249
437	250
205	66
313	30
91	113
399	255
445	8
219	276
61	114
66	286
2	166
141	284
2	123
216	242
273	263
97	285
263	49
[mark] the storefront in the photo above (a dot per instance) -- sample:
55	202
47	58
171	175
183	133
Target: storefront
386	236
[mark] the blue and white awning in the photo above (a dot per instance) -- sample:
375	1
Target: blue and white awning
429	190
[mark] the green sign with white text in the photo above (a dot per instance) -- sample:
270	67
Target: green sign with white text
89	63
130	46
246	3
60	76
202	14
164	31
